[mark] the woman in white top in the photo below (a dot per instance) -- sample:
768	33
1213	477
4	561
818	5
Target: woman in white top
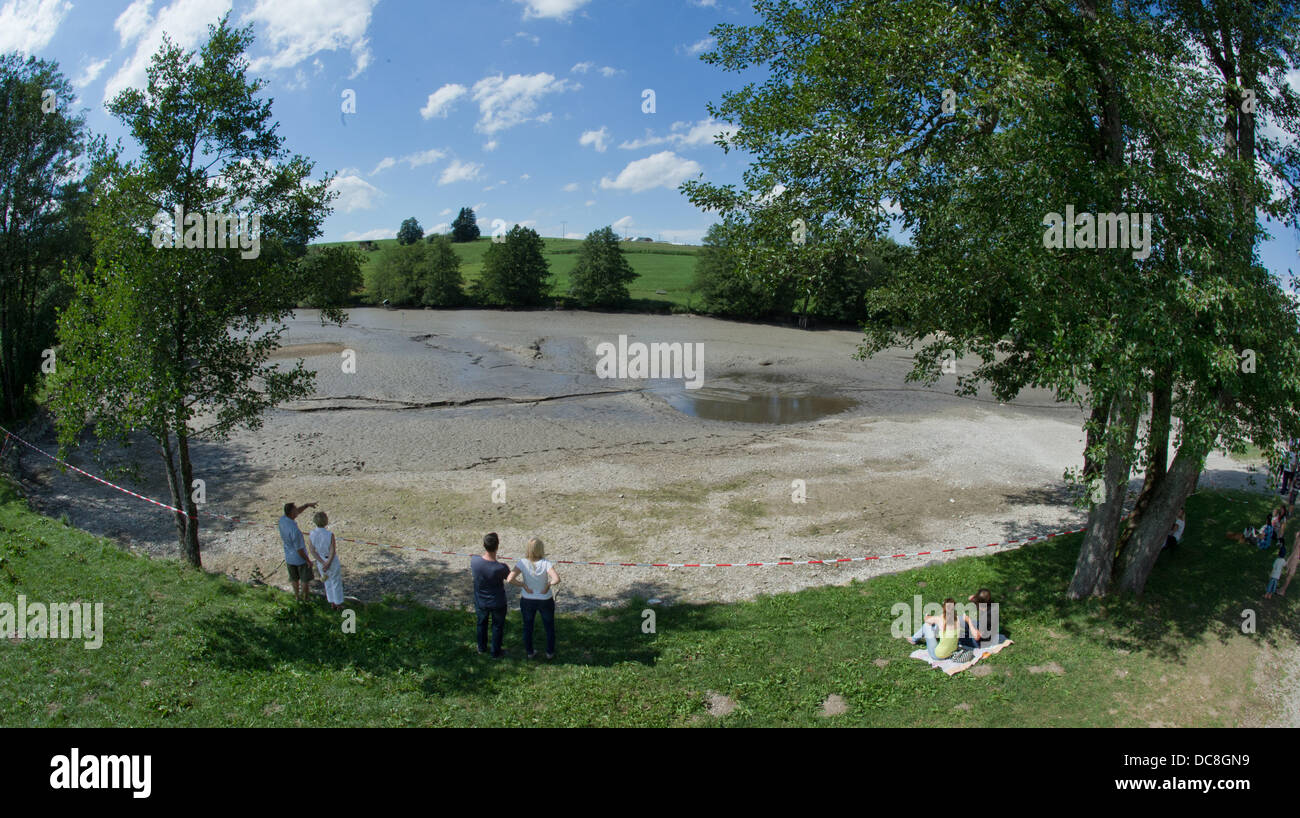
326	556
536	576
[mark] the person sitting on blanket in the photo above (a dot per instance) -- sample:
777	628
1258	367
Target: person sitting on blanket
986	617
941	632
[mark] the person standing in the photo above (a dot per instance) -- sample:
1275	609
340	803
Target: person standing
536	575
326	555
295	550
1275	574
490	594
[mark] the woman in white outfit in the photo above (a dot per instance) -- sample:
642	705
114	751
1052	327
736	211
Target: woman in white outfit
536	576
326	556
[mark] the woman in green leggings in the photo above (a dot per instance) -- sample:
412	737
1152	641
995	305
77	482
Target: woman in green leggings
941	632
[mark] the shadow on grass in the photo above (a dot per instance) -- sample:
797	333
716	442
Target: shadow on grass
399	635
1203	590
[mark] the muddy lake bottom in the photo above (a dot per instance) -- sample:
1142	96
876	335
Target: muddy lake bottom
453	424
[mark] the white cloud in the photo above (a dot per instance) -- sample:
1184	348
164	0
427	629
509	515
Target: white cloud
133	22
623	225
505	102
524	177
441	227
664	169
459	171
700	46
440	101
597	139
590	202
354	192
299	29
371	235
490	145
571	187
553	9
446	211
27	26
695	236
588	65
419	160
684	135
412	160
524	35
701	4
184	21
90	73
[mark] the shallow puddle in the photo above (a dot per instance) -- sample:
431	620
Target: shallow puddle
752	399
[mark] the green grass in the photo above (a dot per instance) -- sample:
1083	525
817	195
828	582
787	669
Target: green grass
661	266
187	648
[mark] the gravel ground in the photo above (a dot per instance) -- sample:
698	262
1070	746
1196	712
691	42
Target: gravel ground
408	448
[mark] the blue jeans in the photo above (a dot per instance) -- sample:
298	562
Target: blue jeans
931	635
498	616
530	608
1272	585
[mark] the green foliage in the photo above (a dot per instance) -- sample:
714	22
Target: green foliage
43	202
410	232
442	284
332	275
175	341
515	273
465	227
601	276
728	284
421	274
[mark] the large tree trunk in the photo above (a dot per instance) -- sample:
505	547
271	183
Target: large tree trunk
1154	526
1157	455
190	546
1092	571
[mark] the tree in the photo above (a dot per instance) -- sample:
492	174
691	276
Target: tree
42	224
410	232
515	273
395	276
975	120
334	273
724	282
442	284
465	227
602	272
171	332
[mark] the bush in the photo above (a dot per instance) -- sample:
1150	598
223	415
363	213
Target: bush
602	273
332	275
515	273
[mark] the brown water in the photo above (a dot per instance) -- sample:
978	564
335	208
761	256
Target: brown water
753	399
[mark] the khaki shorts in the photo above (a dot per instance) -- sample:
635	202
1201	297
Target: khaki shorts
300	573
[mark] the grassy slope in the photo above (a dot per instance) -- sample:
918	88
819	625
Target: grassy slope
186	648
668	267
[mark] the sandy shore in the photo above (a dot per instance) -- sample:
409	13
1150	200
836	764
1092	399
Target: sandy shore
408	449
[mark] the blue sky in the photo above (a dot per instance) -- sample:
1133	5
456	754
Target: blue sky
529	111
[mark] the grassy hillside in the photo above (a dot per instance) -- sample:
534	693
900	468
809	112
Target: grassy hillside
661	266
186	648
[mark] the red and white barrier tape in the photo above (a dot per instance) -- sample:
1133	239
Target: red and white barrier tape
833	561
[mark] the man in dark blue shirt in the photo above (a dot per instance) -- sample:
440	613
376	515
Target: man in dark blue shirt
490	594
